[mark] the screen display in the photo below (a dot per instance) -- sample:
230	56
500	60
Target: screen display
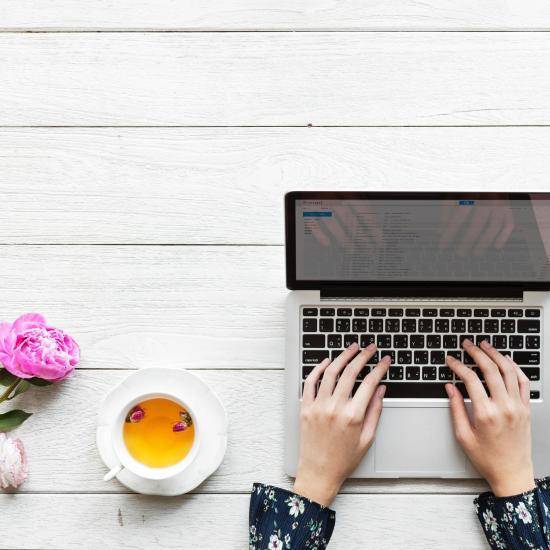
458	240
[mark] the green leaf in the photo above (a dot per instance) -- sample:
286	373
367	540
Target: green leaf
23	386
12	419
6	378
39	382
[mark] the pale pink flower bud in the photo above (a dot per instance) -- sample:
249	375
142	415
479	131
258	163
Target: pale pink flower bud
179	427
13	462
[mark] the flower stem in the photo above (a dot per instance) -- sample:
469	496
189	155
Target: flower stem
10	389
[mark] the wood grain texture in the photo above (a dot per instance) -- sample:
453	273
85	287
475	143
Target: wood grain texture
212	79
210	522
148	185
60	437
267	15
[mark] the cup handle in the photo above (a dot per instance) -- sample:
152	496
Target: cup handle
111	474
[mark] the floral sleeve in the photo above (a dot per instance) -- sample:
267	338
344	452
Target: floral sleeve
517	522
281	520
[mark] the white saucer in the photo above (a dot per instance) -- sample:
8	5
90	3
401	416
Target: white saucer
201	399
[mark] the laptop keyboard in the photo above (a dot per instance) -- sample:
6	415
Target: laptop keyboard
418	340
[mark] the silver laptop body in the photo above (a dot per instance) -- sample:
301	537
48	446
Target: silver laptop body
357	299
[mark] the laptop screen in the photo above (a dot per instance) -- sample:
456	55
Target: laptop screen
418	238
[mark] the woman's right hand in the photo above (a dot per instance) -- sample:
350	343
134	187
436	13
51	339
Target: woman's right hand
497	439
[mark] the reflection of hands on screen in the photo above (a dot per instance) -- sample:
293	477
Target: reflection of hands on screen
475	229
346	225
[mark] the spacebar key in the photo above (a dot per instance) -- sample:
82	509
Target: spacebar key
414	390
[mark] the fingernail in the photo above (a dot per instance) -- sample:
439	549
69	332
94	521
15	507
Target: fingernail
381	391
386	359
450	390
485	344
467	342
354	345
371	346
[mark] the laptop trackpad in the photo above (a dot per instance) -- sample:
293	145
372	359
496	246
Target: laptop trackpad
417	441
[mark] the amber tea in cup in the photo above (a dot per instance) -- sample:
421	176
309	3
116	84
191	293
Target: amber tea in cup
158	432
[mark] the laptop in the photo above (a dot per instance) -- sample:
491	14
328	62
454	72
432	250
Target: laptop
416	273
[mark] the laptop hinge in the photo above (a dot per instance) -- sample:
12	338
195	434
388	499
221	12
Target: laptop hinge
496	292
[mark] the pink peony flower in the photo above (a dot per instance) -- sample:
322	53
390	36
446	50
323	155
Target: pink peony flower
13	463
30	348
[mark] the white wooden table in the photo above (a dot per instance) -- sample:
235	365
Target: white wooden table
142	170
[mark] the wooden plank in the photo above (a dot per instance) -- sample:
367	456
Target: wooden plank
145	185
206	307
212	79
60	437
134	522
284	15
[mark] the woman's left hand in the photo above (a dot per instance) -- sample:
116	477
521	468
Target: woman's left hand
336	431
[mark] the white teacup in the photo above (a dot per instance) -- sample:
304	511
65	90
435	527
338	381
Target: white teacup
127	461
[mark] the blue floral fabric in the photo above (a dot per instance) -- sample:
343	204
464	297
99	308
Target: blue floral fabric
517	522
282	520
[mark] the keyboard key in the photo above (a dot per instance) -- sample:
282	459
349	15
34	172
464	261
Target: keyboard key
445	373
327	312
450	341
374	359
310	311
412	312
334	341
313	341
344	311
442	325
458	325
433	341
532	342
429	373
516	342
437	357
498	313
400	341
532	313
526	357
534	394
412	373
481	337
408	325
475	325
350	339
515	313
532	373
309	325
479	373
306	371
468	360
396	373
463	337
342	325
359	325
366	340
481	313
395	312
464	312
398	390
429	312
462	389
335	353
364	371
416	341
500	341
528	326
389	352
425	325
376	325
326	325
392	325
361	312
508	325
490	325
310	356
378	312
404	357
447	312
421	357
457	354
383	341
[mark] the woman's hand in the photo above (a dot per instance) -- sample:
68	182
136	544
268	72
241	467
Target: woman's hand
497	439
335	430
